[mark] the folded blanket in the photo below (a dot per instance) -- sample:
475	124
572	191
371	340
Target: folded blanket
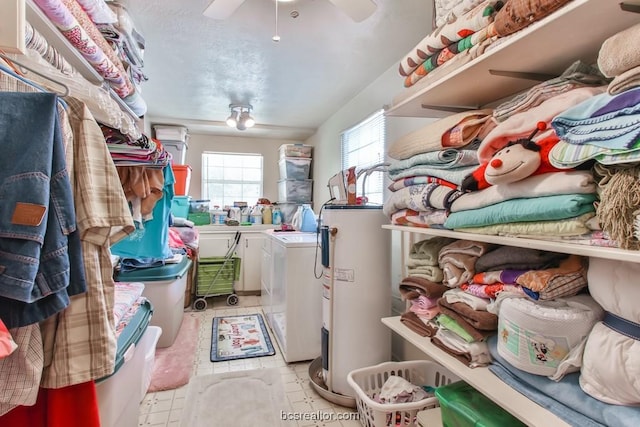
413	180
479	319
411	287
617	55
453	175
471	354
576	75
429	249
565	156
608	121
413	322
446	54
431	218
447	11
457	261
420	197
472	21
443	159
518	14
545	230
515	258
544	208
625	81
522	124
492	291
428	272
429	137
548	184
459	295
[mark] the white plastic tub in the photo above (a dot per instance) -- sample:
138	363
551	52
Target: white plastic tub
294	168
119	396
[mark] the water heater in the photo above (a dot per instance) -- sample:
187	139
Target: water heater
356	292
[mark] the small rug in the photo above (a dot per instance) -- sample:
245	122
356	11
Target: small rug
173	365
240	337
240	399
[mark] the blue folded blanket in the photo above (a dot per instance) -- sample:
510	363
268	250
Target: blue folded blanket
564	398
547	208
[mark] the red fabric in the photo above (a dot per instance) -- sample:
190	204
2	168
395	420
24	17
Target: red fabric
175	241
73	406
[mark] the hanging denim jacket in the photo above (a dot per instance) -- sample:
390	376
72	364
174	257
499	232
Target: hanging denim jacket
36	212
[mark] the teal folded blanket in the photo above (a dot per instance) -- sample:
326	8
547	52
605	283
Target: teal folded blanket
545	208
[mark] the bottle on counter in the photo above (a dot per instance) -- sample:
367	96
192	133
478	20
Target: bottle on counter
256	215
276	216
267	215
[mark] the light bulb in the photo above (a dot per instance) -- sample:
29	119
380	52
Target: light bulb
249	122
276	38
231	120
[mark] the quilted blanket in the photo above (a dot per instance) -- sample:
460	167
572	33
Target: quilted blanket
520	210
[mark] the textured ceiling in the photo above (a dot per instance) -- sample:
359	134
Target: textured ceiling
197	66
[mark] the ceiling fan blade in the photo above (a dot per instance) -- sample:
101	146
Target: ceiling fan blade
222	9
358	10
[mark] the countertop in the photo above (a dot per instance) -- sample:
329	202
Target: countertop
253	228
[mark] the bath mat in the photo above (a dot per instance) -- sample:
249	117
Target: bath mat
241	399
172	365
240	337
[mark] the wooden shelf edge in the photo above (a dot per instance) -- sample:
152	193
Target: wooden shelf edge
482	379
546	245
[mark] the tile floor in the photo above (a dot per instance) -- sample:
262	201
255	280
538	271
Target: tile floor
164	409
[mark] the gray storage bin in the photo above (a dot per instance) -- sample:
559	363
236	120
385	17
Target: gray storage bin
294	190
294	168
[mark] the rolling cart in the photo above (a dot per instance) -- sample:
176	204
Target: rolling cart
216	276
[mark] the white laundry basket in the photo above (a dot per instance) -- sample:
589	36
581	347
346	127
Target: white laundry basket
369	381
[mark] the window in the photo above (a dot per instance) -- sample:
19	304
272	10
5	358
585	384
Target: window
363	146
231	177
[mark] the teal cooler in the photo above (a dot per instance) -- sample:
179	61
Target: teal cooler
165	287
463	406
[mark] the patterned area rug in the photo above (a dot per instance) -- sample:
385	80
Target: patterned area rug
240	337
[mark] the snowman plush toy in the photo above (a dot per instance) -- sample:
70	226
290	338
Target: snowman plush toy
517	160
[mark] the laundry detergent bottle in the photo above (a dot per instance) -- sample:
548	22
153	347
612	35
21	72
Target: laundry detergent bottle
308	219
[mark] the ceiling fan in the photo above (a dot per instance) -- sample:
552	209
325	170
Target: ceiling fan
358	10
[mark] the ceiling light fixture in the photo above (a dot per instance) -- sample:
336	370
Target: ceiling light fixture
240	116
276	37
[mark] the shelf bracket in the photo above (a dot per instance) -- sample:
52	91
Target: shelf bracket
523	75
630	7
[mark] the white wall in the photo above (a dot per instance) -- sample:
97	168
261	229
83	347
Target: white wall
198	143
380	93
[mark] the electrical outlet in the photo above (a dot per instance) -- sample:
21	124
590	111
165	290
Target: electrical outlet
12	22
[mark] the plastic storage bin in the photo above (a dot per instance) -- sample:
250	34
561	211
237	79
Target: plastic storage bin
200	206
171	133
165	287
182	174
293	190
461	405
180	206
369	381
119	395
178	151
295	150
294	168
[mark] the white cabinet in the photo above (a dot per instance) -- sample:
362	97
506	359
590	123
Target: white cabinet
250	251
266	276
248	248
502	72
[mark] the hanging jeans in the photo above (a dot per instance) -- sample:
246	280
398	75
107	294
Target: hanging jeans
37	216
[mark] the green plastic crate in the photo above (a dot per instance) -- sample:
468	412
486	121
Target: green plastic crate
215	277
463	406
200	218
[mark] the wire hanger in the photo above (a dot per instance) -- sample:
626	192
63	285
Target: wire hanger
64	86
